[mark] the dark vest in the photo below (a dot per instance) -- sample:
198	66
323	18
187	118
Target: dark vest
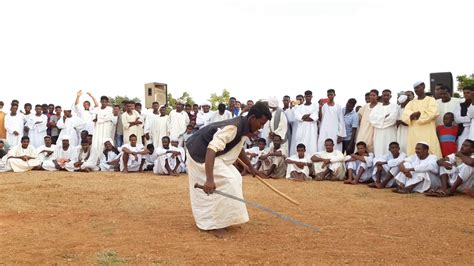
198	142
464	107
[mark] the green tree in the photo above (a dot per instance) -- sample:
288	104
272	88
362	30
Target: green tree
216	99
465	80
186	97
118	100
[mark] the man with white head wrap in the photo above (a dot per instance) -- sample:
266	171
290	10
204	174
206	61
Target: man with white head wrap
402	128
62	154
278	125
71	126
156	125
46	150
418	172
109	159
177	122
204	116
167	162
84	159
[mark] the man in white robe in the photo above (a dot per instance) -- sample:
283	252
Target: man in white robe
418	173
294	122
37	125
167	161
84	159
307	131
132	122
85	113
212	152
62	155
333	125
14	123
132	154
203	117
386	167
70	126
177	121
402	127
384	118
278	125
446	104
273	160
359	165
329	164
109	160
460	115
156	125
46	150
298	165
103	119
22	157
220	115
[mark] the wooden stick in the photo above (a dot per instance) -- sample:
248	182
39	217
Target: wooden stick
270	186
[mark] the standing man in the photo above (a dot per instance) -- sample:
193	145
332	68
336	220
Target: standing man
367	135
446	104
14	123
332	123
70	126
402	128
156	125
37	125
460	115
203	117
307	116
177	121
212	152
278	125
131	121
85	112
294	122
102	118
233	109
53	124
420	116
351	120
383	118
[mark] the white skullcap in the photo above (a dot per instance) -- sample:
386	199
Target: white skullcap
273	102
206	103
67	107
180	101
418	83
109	140
174	140
66	137
403	98
424	143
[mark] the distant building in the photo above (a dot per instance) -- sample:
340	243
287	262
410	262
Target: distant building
155	92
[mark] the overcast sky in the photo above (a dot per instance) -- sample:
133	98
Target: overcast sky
255	49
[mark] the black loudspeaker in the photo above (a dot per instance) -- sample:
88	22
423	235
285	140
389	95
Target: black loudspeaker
445	78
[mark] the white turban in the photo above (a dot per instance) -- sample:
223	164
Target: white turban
180	101
174	140
109	140
403	98
418	83
424	143
206	103
273	102
66	137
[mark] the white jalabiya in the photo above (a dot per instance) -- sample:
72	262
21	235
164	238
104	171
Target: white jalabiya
177	123
291	167
42	152
445	107
392	166
106	159
103	127
281	129
336	165
129	130
203	119
254	150
461	170
307	132
71	127
425	174
402	131
465	121
357	165
290	115
383	118
87	116
13	124
164	157
37	126
18	165
216	117
89	160
215	211
157	127
133	164
332	126
470	114
61	156
182	159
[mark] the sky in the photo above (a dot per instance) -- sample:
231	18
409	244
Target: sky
253	48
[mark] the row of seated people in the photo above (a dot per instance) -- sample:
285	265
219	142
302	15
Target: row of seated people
132	157
421	172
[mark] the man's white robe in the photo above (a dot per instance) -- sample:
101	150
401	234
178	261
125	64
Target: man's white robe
444	108
461	170
402	131
133	164
129	130
465	121
103	127
307	132
425	174
18	165
89	160
332	126
71	127
383	118
61	156
336	165
37	126
291	167
392	166
177	123
157	127
104	161
42	155
14	123
203	119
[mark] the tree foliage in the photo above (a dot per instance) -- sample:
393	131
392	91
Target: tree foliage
465	80
118	100
222	98
186	97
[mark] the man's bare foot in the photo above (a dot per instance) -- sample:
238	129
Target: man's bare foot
354	182
379	185
219	233
469	192
348	181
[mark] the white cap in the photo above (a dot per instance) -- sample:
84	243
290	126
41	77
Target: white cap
403	98
424	143
418	83
66	137
109	140
273	102
180	101
206	103
174	140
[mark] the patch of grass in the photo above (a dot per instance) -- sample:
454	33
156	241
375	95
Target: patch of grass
469	231
109	257
163	262
70	257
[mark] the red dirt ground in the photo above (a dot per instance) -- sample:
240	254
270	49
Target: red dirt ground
48	218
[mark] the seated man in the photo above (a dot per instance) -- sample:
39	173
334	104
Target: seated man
181	157
132	155
167	161
110	158
329	164
254	154
387	167
3	153
273	162
359	164
61	156
298	165
148	160
84	159
22	157
418	172
456	171
46	150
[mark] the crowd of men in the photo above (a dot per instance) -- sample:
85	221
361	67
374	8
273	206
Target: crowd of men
418	143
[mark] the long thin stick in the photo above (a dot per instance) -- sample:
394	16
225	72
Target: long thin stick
270	186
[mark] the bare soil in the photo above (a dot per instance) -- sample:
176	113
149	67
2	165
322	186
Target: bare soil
114	218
